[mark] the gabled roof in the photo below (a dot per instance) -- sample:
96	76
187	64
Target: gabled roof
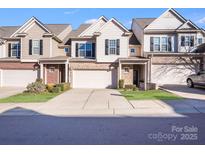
188	22
133	40
116	22
8	31
143	22
76	33
93	24
26	25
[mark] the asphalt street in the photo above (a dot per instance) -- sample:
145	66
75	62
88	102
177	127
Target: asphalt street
46	130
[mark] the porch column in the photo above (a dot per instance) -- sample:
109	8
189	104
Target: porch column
66	72
120	67
41	71
145	76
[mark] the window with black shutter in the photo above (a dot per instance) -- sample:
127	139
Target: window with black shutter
118	46
41	47
30	47
9	50
151	44
106	46
76	50
93	50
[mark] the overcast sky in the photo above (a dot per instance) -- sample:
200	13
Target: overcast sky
75	17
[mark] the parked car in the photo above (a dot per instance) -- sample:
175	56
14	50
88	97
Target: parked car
196	79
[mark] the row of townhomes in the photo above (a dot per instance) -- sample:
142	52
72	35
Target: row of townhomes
159	50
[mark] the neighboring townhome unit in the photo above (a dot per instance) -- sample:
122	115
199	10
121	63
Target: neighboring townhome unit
23	47
103	52
169	41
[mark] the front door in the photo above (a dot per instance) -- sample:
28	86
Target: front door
136	77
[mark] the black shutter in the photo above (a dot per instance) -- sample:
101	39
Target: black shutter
118	46
19	50
76	50
106	46
9	50
30	47
151	44
93	49
192	41
182	41
169	44
41	47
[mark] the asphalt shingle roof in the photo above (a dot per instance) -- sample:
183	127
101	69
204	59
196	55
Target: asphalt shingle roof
143	22
7	31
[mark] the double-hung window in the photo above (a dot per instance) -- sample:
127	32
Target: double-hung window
187	41
15	49
36	47
200	41
164	44
156	43
85	50
112	47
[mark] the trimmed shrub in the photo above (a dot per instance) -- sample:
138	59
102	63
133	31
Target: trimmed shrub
121	83
130	87
36	87
50	87
56	89
63	86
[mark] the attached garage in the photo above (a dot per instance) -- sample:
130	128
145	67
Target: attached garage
94	79
17	78
170	74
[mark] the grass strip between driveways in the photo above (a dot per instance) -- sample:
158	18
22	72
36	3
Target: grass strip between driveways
149	95
28	97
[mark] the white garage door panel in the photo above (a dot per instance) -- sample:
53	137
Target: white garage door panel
18	78
94	79
170	74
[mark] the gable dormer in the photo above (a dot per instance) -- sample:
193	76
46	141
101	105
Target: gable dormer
94	27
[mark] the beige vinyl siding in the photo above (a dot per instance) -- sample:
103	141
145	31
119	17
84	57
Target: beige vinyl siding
165	21
35	33
56	51
111	31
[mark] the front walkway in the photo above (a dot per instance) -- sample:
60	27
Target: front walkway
102	102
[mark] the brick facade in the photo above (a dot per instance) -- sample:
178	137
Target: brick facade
90	66
17	65
52	72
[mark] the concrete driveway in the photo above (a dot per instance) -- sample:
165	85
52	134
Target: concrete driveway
9	91
196	93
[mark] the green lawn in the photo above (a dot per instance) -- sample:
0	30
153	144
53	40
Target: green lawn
149	95
28	97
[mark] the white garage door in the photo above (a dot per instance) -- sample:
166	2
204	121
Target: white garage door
18	78
170	74
94	79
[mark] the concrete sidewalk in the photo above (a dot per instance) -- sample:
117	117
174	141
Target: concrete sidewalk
102	102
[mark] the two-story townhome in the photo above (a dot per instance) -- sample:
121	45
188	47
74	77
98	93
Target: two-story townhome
102	53
22	47
95	55
169	41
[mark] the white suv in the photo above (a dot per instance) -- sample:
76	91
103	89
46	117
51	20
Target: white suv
196	79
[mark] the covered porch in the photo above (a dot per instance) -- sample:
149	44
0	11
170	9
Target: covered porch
54	70
135	71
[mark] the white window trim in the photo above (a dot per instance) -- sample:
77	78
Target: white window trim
33	47
155	43
161	44
114	48
18	49
85	50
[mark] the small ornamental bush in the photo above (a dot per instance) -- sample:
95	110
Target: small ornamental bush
56	89
50	87
36	87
